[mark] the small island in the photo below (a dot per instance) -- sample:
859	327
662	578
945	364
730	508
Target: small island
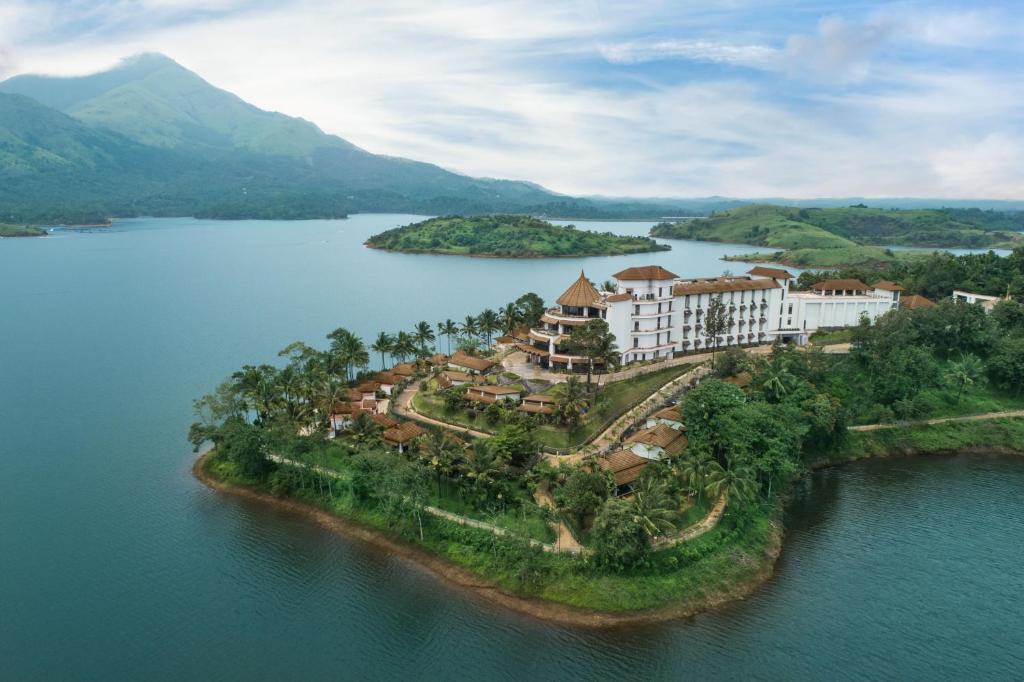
21	231
507	236
851	236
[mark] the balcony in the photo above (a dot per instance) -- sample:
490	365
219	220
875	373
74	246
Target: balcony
640	332
687	312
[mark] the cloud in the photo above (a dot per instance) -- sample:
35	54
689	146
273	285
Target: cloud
566	95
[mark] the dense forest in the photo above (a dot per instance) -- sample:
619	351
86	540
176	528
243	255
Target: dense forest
509	236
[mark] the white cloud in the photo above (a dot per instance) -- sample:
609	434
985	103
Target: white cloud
839	50
635	52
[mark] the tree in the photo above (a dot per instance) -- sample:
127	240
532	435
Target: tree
531	307
255	385
734	481
405	345
213	410
693	470
483	471
706	411
448	328
570	401
618	539
716	323
651	507
966	371
515	444
348	350
1009	316
442	454
595	342
469	328
488	323
364	431
384	344
510	317
609	286
1006	364
245	445
423	334
583	492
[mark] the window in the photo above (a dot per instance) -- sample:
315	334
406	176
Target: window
636	326
659	291
636	342
636	310
790	311
687	303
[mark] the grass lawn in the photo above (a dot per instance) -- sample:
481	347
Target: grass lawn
613	401
830	337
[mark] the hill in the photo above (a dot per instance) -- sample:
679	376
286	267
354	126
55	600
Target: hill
854	235
507	236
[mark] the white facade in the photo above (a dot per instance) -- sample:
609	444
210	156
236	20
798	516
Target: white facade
986	302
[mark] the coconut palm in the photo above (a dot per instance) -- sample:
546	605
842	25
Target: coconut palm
651	507
348	350
405	345
483	470
448	328
693	470
255	385
383	345
570	400
966	371
469	328
734	481
441	454
609	286
509	318
423	335
365	431
488	323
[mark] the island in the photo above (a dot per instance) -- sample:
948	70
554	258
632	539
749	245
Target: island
21	231
507	236
603	494
851	236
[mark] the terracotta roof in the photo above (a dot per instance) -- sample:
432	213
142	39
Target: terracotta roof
527	348
619	297
505	339
368	387
386	378
536	408
718	285
669	414
403	433
915	301
776	273
539	398
643	273
840	285
886	285
496	390
625	465
385	421
438	359
463	359
580	294
662	436
405	369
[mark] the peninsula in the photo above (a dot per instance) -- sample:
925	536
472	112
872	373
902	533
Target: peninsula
852	236
507	236
21	231
655	491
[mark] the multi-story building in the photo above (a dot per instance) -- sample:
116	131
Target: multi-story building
654	313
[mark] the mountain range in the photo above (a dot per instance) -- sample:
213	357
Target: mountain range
150	137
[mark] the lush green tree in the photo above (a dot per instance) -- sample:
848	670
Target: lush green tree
595	342
619	540
256	386
735	481
423	334
570	401
405	345
515	444
652	506
707	411
1008	317
212	411
245	444
448	328
965	371
484	471
531	307
716	323
488	323
442	455
364	431
510	317
1006	364
583	492
469	329
348	350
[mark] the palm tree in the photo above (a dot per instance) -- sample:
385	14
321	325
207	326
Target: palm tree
383	345
609	286
509	317
693	470
734	481
966	371
469	328
256	387
423	335
365	431
442	454
570	400
349	350
483	470
405	345
487	323
652	509
449	328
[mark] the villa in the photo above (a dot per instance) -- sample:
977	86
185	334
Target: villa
625	467
450	378
404	370
660	441
986	302
655	314
464	362
493	394
669	416
915	301
538	403
402	435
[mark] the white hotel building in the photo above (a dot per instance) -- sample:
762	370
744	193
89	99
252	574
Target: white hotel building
653	313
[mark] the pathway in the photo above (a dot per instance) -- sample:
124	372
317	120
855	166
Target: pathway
941	420
403	406
565	540
697	529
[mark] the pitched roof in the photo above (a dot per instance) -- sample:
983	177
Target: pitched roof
671	413
718	285
775	273
386	378
368	387
886	285
580	293
916	301
625	465
496	390
438	359
385	421
840	285
404	369
463	359
619	297
539	398
536	408
644	273
403	433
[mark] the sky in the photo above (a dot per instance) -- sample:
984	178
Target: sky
796	99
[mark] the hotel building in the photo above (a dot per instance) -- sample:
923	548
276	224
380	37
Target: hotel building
654	313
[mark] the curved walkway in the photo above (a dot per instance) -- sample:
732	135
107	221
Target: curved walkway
403	406
941	420
697	529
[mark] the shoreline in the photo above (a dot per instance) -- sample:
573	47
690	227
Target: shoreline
521	257
552	612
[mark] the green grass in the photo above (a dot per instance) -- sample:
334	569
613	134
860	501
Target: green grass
613	401
824	338
996	433
20	231
507	236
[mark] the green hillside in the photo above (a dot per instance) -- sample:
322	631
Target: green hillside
856	235
506	236
20	231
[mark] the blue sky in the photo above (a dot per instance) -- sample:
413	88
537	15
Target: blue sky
754	99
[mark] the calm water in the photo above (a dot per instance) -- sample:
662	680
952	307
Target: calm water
116	564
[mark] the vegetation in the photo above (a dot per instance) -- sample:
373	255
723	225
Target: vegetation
506	236
21	231
856	235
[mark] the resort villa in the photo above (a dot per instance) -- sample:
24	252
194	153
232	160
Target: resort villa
654	313
986	302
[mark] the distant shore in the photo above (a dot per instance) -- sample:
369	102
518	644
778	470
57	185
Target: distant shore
430	252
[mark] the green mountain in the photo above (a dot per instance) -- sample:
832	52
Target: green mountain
851	235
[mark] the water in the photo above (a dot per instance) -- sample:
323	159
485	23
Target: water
116	564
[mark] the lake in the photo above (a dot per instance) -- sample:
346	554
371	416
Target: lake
116	564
